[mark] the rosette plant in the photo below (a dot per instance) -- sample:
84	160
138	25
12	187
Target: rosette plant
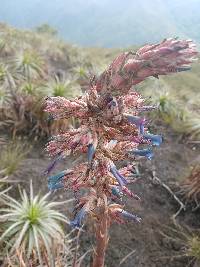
112	128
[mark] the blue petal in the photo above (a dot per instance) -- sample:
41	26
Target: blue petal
122	177
134	119
138	121
90	152
155	139
121	180
56	178
77	222
143	152
183	69
55	186
54	182
52	164
116	191
130	216
141	128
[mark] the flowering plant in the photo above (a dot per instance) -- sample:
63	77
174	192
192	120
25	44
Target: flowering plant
111	129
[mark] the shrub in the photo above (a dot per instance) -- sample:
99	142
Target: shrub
32	228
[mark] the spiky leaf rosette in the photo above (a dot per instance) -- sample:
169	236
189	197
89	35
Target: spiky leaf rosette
112	128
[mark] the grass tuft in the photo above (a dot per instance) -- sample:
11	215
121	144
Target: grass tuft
32	227
11	157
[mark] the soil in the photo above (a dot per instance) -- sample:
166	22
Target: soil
148	246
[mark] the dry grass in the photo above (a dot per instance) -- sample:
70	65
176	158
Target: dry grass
186	241
191	186
11	156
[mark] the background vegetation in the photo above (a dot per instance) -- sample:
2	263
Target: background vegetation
36	64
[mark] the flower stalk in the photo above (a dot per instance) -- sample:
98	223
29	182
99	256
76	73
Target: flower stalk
112	128
102	237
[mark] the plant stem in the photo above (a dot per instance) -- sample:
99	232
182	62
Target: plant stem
102	229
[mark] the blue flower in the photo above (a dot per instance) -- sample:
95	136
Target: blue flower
179	69
120	178
55	186
143	152
52	164
155	139
139	122
77	222
141	128
130	216
116	192
54	182
90	152
134	119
